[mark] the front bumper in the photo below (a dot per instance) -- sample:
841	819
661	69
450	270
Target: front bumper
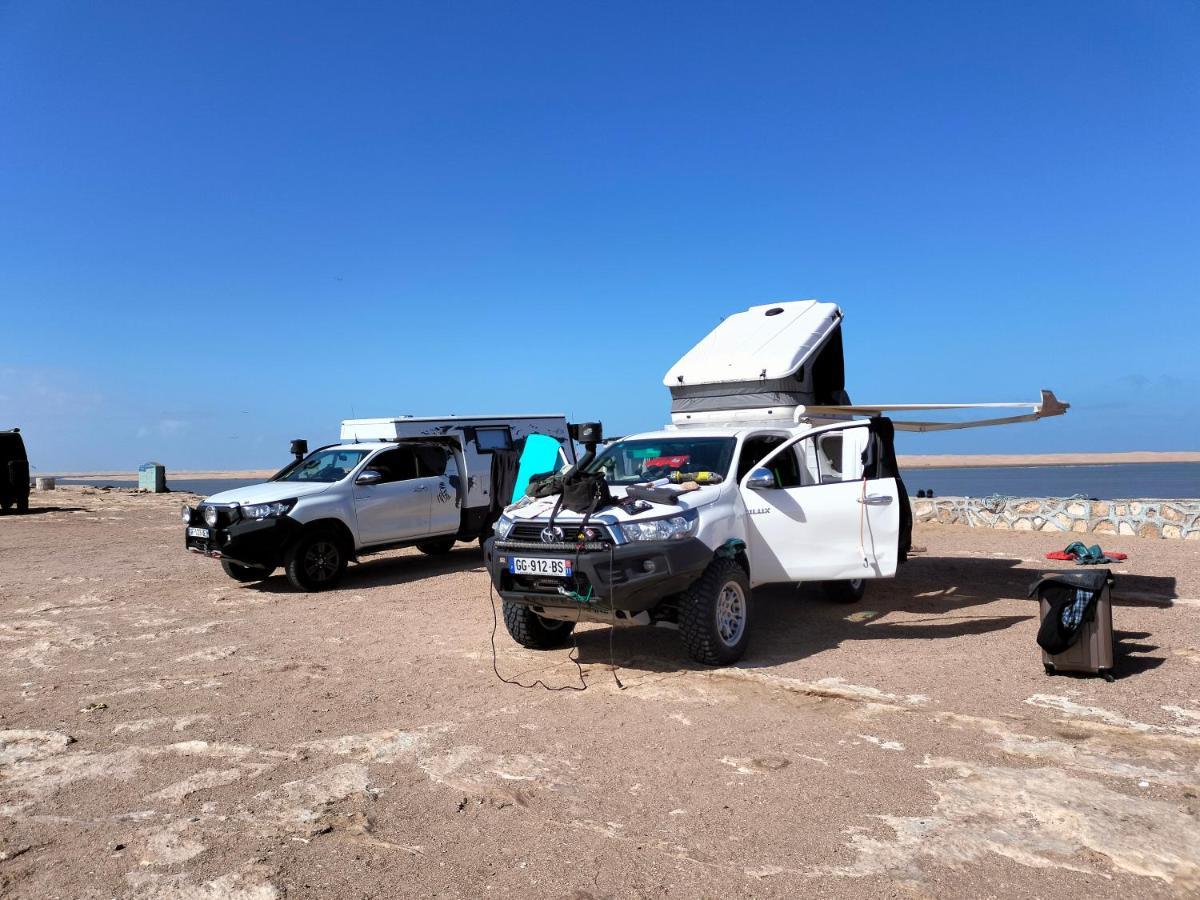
632	577
257	543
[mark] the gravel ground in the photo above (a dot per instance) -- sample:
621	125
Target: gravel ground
167	732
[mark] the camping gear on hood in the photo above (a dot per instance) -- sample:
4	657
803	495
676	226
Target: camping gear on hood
697	477
1086	556
1076	632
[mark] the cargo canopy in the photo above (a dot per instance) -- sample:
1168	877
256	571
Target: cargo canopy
771	356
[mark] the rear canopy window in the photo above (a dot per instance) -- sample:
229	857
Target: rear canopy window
628	462
493	438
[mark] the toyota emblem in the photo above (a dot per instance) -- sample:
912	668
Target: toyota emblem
552	534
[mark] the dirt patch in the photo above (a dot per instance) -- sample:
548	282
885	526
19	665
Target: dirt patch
169	733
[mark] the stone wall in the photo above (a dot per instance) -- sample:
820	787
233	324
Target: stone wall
1176	519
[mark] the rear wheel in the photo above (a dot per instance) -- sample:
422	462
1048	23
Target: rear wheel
845	591
22	504
244	573
440	547
5	505
530	630
714	614
316	561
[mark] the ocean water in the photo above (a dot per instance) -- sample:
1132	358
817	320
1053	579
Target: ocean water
1157	480
1173	481
202	486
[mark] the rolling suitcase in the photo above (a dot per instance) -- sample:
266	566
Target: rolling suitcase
1076	632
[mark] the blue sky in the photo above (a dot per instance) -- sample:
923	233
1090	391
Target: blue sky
226	225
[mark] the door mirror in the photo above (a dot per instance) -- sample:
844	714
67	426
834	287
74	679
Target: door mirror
761	480
368	477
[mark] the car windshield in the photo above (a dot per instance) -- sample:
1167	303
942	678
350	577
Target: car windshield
324	465
628	462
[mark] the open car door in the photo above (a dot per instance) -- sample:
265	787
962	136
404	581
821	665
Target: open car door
813	515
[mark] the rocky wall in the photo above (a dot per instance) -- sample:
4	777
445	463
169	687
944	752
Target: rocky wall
1175	519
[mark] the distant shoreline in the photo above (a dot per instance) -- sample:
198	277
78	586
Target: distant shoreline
947	461
1009	460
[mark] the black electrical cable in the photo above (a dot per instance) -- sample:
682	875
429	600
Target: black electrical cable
574	656
612	608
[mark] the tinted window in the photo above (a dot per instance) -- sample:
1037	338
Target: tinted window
754	449
395	465
495	438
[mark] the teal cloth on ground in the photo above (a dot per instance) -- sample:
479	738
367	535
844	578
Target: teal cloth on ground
540	455
1087	556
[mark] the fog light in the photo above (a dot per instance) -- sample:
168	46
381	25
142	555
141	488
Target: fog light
186	514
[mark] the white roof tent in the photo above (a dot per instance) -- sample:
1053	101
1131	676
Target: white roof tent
778	356
783	362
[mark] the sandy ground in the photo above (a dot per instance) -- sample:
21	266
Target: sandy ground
166	732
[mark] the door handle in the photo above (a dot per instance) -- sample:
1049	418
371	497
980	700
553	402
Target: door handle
425	487
876	500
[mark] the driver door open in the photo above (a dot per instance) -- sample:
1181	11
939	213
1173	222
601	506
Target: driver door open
817	518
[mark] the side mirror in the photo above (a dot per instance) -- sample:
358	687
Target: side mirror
761	480
369	477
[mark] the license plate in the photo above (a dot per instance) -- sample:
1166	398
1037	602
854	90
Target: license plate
197	532
528	565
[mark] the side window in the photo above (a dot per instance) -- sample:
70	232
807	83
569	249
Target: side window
829	458
795	467
395	465
493	438
754	449
431	460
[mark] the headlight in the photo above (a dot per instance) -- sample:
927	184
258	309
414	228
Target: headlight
186	514
669	528
503	526
267	510
210	516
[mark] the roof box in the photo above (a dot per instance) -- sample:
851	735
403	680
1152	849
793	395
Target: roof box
774	357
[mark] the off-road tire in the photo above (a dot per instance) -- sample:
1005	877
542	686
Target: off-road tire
5	505
22	505
700	611
244	573
440	547
844	591
488	531
316	561
530	630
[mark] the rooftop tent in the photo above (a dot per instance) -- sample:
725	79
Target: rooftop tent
777	355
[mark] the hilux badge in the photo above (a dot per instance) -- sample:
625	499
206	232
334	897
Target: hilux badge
552	534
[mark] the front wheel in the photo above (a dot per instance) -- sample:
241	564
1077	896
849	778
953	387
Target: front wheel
845	591
440	547
714	614
315	562
530	630
244	573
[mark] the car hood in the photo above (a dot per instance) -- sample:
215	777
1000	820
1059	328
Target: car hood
542	507
269	492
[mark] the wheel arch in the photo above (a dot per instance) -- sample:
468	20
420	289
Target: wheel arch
336	527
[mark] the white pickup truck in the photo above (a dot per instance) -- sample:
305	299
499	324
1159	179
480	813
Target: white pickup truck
798	490
387	483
